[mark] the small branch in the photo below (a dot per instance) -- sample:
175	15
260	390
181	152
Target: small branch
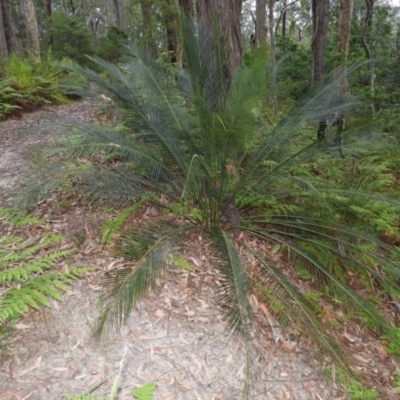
281	14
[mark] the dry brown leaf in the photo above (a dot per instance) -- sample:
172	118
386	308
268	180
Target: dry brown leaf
286	394
79	377
35	366
362	359
10	396
328	315
23	326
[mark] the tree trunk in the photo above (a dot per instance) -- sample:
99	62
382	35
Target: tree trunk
31	28
284	19
227	13
261	29
343	41
365	42
320	9
47	5
147	29
48	9
173	30
187	5
8	28
271	5
3	40
120	13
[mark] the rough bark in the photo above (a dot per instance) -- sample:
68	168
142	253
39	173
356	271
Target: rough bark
261	29
365	42
187	5
48	9
147	28
31	28
12	45
271	5
47	5
3	41
120	13
173	30
227	13
320	10
343	41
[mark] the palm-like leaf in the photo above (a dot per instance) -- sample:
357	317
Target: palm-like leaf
192	142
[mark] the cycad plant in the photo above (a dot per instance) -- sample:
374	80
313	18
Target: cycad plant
198	146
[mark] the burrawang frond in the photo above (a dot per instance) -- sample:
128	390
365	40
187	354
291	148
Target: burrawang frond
150	247
278	291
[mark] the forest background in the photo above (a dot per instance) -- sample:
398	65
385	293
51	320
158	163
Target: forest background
348	49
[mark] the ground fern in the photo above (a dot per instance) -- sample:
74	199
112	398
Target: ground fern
25	263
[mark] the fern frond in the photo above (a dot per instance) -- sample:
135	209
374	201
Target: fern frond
111	227
14	217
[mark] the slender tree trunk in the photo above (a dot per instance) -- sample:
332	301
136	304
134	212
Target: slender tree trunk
228	15
187	5
320	10
271	5
31	28
12	45
120	13
343	41
261	29
3	40
48	9
365	42
147	28
47	5
284	19
173	30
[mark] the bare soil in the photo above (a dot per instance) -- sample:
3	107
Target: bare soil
175	337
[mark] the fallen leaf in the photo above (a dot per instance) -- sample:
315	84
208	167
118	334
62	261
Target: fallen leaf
329	316
23	326
35	366
286	394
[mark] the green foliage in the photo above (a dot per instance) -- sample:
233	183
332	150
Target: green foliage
110	47
27	86
356	392
393	336
198	142
112	226
180	262
14	217
69	37
144	392
82	397
25	263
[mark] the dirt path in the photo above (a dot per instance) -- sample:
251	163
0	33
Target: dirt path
175	338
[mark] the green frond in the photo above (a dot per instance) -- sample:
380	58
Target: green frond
233	293
14	217
279	292
24	267
150	247
112	226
